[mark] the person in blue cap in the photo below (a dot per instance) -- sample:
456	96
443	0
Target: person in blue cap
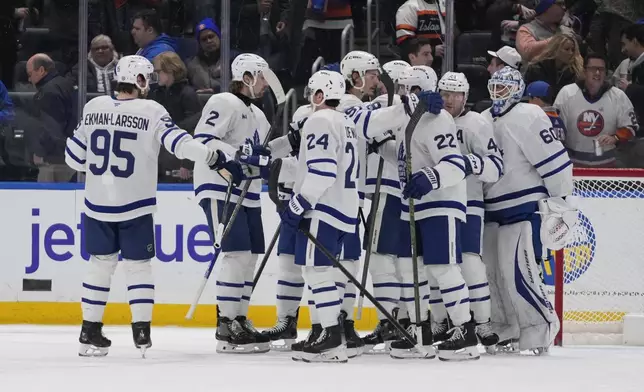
204	70
540	93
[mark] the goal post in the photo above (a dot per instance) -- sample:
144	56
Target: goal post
599	279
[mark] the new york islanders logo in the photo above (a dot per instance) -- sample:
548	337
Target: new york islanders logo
590	123
402	165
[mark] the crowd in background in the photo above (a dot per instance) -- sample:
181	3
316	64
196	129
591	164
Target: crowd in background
39	67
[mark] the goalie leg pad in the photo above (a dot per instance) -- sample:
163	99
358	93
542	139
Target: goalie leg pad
453	290
140	289
290	286
386	285
475	277
96	286
407	285
231	282
325	293
519	249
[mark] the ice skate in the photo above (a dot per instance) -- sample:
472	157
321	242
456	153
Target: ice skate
316	330
439	331
461	345
92	341
509	347
141	336
384	334
404	349
234	339
486	335
263	342
327	348
355	345
285	331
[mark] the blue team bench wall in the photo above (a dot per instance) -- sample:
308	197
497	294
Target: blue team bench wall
73	186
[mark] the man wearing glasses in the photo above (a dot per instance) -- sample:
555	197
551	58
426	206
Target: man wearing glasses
598	117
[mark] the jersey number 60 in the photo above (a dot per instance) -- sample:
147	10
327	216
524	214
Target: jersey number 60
101	143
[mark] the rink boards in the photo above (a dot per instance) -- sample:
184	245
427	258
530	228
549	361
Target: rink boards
43	264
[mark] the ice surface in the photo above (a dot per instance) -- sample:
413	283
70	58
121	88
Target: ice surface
44	359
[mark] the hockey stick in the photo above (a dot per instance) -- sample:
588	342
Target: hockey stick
360	287
281	101
375	200
267	254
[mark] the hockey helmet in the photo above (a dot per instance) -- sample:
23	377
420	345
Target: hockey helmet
136	70
420	76
395	69
330	83
360	62
455	82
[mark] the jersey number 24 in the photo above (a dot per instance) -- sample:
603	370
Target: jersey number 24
102	143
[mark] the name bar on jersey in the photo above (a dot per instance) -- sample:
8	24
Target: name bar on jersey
117	120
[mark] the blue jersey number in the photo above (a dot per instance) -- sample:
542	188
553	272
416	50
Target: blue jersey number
348	183
101	144
322	141
445	141
548	135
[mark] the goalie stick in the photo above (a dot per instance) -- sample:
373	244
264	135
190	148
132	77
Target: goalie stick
375	200
220	235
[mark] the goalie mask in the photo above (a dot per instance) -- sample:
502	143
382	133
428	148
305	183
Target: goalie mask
330	83
506	88
419	76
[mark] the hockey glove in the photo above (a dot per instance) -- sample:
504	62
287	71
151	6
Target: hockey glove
433	100
558	222
295	137
228	168
292	215
421	183
277	192
256	160
377	142
473	164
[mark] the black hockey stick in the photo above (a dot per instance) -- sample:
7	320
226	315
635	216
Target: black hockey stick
360	287
267	254
375	200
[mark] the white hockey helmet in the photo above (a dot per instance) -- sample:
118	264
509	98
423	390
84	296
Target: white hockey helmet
330	83
395	69
455	82
130	68
419	76
506	88
248	63
360	62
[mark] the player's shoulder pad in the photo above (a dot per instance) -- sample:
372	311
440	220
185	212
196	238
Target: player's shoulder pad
258	112
348	101
302	112
438	123
476	120
226	100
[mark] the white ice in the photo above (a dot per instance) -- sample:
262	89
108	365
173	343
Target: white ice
45	359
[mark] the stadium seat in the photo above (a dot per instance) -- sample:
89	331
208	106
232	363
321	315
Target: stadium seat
477	76
471	47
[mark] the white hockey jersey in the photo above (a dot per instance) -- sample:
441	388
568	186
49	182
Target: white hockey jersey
347	102
476	136
227	122
117	145
390	183
585	120
536	164
328	169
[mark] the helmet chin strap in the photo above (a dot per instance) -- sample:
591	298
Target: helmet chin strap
251	87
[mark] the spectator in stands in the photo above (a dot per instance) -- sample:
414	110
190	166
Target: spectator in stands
541	94
181	101
6	106
504	18
419	51
424	19
322	32
532	38
597	116
560	64
632	81
101	66
504	57
10	17
146	32
204	70
54	105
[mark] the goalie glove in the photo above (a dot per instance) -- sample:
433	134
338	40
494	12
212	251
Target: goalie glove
559	221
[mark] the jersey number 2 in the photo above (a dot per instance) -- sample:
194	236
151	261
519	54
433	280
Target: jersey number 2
101	144
348	182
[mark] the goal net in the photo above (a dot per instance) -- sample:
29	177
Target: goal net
601	275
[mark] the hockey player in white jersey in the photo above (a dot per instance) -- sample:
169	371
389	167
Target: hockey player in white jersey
324	203
527	209
231	121
117	145
476	137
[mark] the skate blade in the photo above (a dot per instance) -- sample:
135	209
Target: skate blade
378	349
336	355
89	350
282	345
509	349
540	351
297	356
252	348
428	352
464	354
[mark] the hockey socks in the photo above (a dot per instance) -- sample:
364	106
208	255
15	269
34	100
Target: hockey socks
96	286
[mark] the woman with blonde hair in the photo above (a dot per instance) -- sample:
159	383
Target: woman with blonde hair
180	100
558	65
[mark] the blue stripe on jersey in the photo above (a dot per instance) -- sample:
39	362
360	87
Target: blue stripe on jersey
557	170
206	138
321	173
475	203
517	194
73	156
453	159
550	158
321	160
121	209
176	140
336	214
80	144
511	215
361	195
166	133
498	163
365	127
436	204
384	181
224	188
